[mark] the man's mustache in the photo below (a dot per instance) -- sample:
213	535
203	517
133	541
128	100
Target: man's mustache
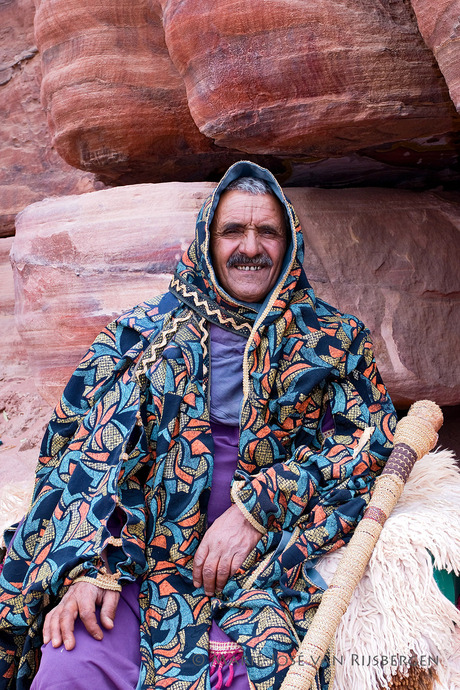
238	259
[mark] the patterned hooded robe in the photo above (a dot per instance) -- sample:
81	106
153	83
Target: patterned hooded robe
132	431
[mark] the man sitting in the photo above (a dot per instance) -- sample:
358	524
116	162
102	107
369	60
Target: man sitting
212	444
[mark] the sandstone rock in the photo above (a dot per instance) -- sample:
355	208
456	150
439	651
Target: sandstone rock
80	261
391	257
295	83
440	27
115	99
12	352
306	78
30	169
23	412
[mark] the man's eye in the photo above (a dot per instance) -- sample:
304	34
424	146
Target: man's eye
232	231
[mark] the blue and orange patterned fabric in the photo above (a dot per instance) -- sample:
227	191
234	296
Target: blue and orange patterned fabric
132	433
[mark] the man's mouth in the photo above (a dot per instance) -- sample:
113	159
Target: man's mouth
248	268
244	263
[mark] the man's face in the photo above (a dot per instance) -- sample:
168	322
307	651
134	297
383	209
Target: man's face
248	244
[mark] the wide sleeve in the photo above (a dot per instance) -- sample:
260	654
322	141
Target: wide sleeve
64	532
114	347
325	484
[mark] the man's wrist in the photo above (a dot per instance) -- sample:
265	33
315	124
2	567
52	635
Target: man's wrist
103	580
240	505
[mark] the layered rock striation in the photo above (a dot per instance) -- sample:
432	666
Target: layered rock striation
117	104
29	167
439	24
80	261
304	78
151	90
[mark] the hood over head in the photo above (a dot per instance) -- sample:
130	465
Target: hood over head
195	276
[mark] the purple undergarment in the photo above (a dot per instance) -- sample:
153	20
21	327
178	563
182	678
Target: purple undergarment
227	350
225	457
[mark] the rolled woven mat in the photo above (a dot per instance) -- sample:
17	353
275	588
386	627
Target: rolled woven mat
416	434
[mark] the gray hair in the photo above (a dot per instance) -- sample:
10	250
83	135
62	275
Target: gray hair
256	186
251	185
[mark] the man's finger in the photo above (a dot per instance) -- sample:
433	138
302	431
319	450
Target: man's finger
109	608
209	576
88	618
198	562
55	630
47	628
236	564
67	624
223	573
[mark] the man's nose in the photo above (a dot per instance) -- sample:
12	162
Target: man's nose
250	243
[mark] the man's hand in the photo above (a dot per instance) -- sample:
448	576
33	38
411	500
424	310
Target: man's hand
80	600
223	549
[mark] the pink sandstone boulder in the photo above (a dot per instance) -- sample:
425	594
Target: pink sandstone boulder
30	169
80	261
115	100
392	258
440	27
300	81
315	78
389	256
12	354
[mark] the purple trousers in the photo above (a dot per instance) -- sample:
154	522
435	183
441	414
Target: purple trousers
113	662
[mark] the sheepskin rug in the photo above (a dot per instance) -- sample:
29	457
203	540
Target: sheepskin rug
14	502
398	615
